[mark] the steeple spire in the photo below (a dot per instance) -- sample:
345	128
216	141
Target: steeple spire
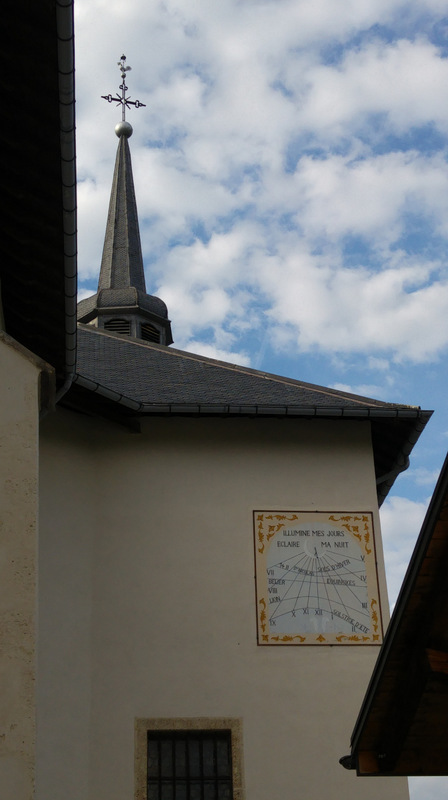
121	303
122	262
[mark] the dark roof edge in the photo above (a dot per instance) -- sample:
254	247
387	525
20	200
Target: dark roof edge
369	402
66	77
385	483
221	409
406	590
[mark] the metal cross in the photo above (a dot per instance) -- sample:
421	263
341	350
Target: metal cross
123	101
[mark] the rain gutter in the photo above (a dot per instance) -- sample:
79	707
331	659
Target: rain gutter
66	76
225	409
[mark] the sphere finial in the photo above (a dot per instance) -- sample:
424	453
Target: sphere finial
124	128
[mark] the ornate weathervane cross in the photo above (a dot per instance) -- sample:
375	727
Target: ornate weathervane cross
123	101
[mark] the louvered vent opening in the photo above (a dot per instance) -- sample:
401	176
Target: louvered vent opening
150	333
118	326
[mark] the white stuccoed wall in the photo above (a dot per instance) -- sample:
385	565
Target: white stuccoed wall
147	600
19	421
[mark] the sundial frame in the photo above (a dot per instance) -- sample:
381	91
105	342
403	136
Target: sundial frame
316	578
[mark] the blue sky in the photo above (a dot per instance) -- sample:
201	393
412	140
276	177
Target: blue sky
292	184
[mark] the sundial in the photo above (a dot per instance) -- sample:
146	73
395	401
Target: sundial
316	578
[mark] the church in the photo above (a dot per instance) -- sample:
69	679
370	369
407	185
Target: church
193	586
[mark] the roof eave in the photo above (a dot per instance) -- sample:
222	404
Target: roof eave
66	77
38	269
396	629
404	423
233	409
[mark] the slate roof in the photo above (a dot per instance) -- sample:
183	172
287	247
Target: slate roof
121	376
154	374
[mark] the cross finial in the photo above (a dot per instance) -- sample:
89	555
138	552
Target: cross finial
122	100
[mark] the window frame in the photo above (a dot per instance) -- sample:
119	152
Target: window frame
154	725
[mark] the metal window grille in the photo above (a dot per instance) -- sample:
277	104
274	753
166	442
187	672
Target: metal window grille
189	765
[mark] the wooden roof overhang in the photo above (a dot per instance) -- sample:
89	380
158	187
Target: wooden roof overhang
38	181
402	728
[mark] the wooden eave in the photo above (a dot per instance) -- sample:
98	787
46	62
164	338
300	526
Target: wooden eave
402	728
37	178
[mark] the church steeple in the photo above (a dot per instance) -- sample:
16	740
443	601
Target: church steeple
122	262
121	303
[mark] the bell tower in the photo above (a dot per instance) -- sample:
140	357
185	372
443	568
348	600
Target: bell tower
121	303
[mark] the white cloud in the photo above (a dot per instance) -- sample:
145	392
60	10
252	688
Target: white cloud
208	350
401	520
337	309
212	81
434	788
364	390
83	293
368	196
424	476
403	81
232	99
378	363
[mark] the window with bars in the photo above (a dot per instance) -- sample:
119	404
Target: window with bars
189	765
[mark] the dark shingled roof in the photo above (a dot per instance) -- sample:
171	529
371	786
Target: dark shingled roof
124	379
151	373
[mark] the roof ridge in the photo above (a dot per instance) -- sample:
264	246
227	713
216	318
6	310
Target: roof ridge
360	399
